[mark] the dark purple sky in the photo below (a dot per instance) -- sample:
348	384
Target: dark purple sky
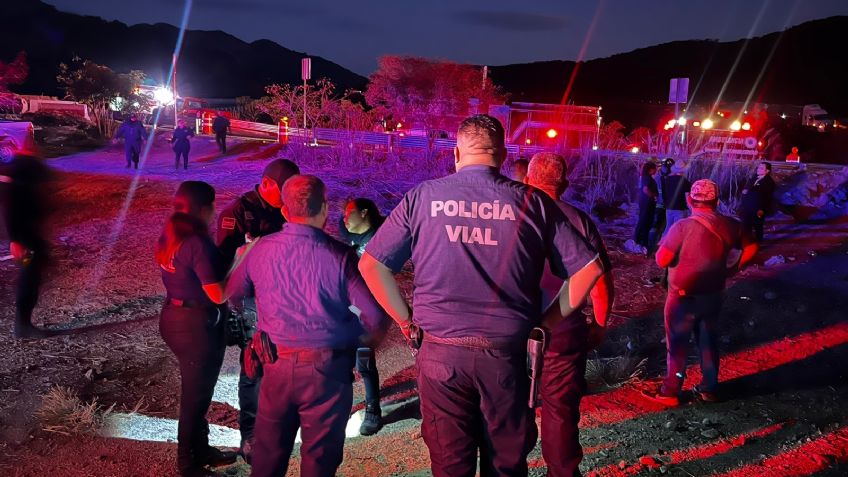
354	33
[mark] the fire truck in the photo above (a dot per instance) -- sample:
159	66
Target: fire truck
724	133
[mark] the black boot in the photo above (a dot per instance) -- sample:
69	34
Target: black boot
214	457
373	420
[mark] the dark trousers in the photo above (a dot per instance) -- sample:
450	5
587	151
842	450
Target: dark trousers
248	396
310	389
646	220
753	224
658	226
184	154
563	386
29	284
685	315
196	337
221	140
472	400
131	153
366	366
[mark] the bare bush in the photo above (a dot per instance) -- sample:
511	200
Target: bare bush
599	181
613	372
63	412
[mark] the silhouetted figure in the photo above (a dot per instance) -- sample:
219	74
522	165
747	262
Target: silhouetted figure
25	206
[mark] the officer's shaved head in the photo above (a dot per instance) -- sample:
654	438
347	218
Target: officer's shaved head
480	140
304	196
548	171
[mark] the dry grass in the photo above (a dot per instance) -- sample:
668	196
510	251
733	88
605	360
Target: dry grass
63	412
613	372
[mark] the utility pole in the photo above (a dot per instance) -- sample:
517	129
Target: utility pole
305	73
174	86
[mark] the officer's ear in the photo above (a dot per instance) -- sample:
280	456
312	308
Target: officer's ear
456	155
285	211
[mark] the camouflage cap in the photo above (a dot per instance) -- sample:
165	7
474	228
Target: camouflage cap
704	190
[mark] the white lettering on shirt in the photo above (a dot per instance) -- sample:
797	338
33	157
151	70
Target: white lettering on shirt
470	235
472	210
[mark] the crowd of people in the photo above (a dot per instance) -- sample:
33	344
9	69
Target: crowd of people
495	260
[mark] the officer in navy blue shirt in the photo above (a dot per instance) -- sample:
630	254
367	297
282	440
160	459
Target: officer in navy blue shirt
564	369
193	275
181	143
134	135
305	283
479	243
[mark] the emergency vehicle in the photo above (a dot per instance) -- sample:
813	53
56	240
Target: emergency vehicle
723	133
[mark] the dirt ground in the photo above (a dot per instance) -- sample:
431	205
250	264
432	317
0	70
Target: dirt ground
784	341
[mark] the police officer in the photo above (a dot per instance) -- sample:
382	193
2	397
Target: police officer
180	140
134	135
24	206
305	283
193	273
479	242
254	214
564	370
360	222
220	126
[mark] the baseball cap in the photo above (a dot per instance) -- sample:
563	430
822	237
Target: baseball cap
279	170
704	190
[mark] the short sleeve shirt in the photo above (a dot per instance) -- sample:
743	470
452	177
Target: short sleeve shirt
478	242
700	263
196	263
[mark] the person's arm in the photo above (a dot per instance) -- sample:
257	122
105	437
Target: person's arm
664	257
602	294
381	282
371	315
573	292
207	265
230	234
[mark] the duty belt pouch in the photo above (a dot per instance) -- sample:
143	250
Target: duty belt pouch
260	351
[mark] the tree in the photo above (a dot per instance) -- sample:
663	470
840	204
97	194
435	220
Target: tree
102	90
431	94
13	73
323	106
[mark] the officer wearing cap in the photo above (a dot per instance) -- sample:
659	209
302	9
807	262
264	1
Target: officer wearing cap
479	243
254	214
134	135
700	252
564	369
305	284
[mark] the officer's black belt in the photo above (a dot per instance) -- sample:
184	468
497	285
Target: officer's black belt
312	354
188	303
476	342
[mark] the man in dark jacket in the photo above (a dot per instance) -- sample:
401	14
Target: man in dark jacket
134	135
220	126
256	213
25	211
757	198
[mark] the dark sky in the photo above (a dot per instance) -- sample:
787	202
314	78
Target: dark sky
354	33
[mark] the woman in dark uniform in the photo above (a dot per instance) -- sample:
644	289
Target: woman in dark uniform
648	193
181	143
192	271
360	222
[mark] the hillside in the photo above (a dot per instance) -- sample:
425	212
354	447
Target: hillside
808	66
212	64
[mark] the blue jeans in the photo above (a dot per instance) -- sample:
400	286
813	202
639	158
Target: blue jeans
366	365
672	216
685	315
